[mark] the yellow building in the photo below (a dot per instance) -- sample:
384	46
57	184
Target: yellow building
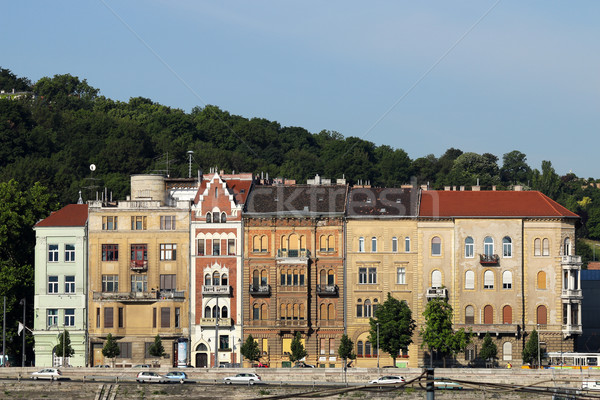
139	272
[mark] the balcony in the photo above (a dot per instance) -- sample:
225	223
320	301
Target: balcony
171	295
574	261
574	294
143	297
572	329
283	253
437	293
284	323
492	329
216	290
212	322
327	290
260	290
489	259
138	265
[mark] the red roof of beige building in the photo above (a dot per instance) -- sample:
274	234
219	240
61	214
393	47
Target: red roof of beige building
70	215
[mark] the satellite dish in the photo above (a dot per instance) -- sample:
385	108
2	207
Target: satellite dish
92	167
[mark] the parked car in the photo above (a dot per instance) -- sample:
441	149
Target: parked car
177	376
150	377
260	365
590	385
444	384
47	373
388	379
303	365
246	378
142	366
102	366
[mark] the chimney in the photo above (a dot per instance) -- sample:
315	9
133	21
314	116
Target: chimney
518	188
476	188
462	188
447	188
494	188
423	187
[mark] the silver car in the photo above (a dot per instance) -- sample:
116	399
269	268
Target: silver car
47	373
247	378
388	379
150	377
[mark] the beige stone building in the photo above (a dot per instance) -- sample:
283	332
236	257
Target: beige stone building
139	271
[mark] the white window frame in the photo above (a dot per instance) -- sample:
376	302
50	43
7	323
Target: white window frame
407	244
436	248
488	246
401	275
52	317
70	284
53	284
507	280
69	252
469	280
168	251
488	279
469	247
436	279
361	244
394	244
373	244
70	317
507	247
53	253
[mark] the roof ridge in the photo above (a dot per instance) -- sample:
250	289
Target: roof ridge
552	204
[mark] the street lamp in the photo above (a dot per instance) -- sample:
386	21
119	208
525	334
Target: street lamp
23	302
378	348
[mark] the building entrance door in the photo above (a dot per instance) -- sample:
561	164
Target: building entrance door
201	360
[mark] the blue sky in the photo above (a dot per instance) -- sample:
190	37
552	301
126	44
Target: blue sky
482	76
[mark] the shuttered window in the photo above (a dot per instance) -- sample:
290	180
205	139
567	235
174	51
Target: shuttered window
108	317
165	317
436	279
469	280
542	315
469	315
488	315
507	315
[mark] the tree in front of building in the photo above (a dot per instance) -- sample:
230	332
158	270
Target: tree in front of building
396	327
157	349
438	334
346	351
488	351
63	348
111	348
298	352
250	349
530	352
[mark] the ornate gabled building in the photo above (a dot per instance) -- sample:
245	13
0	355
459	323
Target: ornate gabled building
505	261
381	251
139	272
216	276
293	274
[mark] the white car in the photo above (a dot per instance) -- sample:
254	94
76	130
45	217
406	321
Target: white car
150	377
177	376
47	373
249	379
388	379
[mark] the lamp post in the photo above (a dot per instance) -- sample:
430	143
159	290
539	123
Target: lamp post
378	348
217	314
23	302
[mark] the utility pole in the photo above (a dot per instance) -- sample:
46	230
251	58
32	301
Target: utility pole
4	335
430	387
23	301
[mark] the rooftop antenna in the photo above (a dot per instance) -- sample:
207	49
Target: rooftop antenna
92	182
190	154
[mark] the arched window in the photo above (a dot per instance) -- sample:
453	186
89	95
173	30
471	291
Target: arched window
488	246
256	244
207	312
436	279
216	217
469	247
263	278
330	278
207	280
215	312
507	280
330	312
216	279
469	315
323	243
488	315
507	315
323	311
541	280
367	348
469	280
264	244
407	244
289	312
567	247
436	246
359	308
359	348
255	278
264	313
537	247
506	247
224	280
361	244
295	311
542	315
208	218
488	279
545	247
255	312
374	244
201	347
301	312
323	277
394	244
224	312
368	309
507	351
223	217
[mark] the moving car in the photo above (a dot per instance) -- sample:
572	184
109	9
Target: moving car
303	365
444	384
177	376
150	377
388	379
246	378
47	373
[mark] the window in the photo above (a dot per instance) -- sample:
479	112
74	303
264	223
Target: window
216	247
177	317
98	317
108	317
359	348
121	317
69	253
168	251
542	315
541	280
545	247
110	283
488	279
139	253
507	351
124	349
567	247
367	348
139	283
201	248
109	223
216	218
53	284
507	280
469	280
488	246
256	312
507	315
506	247
223	342
216	279
165	317
362	275
488	315
401	276
138	223
368	309
361	244
407	244
537	247
394	244
372	275
359	309
231	247
69	284
436	246
436	279
52	317
374	244
167	222
469	247
70	317
110	252
52	253
223	217
208	218
168	282
469	315
154	317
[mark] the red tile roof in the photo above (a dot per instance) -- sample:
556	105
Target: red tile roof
71	215
436	203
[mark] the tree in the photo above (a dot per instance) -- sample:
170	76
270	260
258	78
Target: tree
250	349
64	341
346	351
111	348
157	349
438	334
514	168
530	352
298	352
488	351
395	326
548	181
